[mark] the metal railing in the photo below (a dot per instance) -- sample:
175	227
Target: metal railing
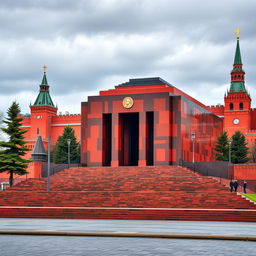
221	170
55	168
216	169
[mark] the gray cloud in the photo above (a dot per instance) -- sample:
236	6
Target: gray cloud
90	45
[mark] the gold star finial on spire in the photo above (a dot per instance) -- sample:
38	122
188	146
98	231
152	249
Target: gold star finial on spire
238	31
44	67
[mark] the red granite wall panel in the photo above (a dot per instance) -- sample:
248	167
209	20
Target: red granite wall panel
94	142
162	124
155	103
160	155
94	134
188	118
174	118
176	139
207	128
95	109
84	133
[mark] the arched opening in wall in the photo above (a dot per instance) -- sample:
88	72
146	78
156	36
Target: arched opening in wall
231	106
241	106
37	131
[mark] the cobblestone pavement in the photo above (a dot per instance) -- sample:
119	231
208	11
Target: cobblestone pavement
132	226
93	246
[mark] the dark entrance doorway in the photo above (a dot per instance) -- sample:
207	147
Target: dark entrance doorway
129	138
107	139
150	138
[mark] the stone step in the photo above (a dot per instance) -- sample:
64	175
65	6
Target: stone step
130	213
125	187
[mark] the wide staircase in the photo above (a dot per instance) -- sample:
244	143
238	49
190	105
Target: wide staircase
163	193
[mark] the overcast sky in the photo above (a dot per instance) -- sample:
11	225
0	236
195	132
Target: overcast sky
92	45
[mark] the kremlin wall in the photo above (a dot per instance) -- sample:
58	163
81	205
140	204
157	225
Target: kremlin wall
145	121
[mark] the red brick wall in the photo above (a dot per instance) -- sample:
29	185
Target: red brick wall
38	122
245	172
34	169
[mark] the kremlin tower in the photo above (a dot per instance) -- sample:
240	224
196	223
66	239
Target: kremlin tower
237	101
43	119
237	113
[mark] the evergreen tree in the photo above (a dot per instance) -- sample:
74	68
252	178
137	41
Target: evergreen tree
14	148
222	147
239	150
1	121
60	154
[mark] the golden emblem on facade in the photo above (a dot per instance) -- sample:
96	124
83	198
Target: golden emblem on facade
127	102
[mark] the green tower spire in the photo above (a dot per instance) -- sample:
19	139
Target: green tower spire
44	97
238	59
44	80
237	73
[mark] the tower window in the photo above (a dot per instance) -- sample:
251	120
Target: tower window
241	106
37	131
231	106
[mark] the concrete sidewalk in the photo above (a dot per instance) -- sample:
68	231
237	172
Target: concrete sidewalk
131	228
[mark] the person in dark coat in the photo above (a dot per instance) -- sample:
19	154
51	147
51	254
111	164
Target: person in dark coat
231	185
245	185
235	185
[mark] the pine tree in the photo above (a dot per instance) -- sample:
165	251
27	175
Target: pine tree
14	148
239	150
1	122
222	147
60	154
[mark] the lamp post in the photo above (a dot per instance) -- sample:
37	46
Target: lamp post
229	151
68	141
193	136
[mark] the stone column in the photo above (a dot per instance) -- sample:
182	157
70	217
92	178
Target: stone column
142	139
115	140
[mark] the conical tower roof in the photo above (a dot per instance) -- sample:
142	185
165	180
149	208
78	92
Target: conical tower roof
238	59
44	80
44	97
39	154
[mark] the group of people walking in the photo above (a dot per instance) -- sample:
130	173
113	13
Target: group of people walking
234	185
